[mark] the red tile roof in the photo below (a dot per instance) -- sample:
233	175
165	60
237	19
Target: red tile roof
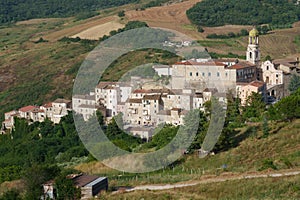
27	108
48	105
211	63
241	65
257	83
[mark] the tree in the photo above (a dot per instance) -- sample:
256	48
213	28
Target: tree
265	127
254	107
268	57
294	83
100	118
121	13
288	108
11	195
35	176
66	189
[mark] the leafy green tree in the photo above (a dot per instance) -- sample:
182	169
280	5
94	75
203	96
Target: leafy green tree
121	13
66	189
35	176
288	108
11	195
254	107
265	127
294	83
100	118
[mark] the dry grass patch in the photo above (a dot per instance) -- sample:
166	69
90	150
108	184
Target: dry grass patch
94	33
169	16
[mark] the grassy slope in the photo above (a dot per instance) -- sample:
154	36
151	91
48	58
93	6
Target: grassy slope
282	147
262	188
37	71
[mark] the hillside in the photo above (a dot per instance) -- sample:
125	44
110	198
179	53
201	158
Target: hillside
17	10
244	12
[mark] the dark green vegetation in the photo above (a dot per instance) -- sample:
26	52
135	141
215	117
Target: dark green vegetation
244	12
153	4
297	42
294	83
38	144
17	10
243	32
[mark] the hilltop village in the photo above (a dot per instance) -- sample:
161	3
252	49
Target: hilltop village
144	103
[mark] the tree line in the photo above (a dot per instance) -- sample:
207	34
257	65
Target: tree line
244	12
17	10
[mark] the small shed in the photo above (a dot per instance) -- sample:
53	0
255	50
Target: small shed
90	185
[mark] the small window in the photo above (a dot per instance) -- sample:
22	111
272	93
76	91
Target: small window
267	67
191	74
226	74
218	74
197	74
209	74
203	74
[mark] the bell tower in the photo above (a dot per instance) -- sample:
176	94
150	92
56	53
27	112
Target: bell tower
253	52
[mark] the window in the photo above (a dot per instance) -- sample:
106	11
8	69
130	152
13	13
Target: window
191	74
267	67
209	74
203	74
218	74
226	74
197	74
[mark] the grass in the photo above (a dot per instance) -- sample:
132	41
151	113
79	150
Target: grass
297	42
133	59
252	153
262	188
37	71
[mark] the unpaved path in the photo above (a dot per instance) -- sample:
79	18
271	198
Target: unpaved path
213	180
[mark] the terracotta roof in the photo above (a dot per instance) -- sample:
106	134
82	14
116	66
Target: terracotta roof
135	100
48	105
257	83
27	108
176	109
226	60
241	65
159	91
210	63
82	180
152	97
140	91
37	110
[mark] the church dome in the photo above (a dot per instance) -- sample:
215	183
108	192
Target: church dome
253	33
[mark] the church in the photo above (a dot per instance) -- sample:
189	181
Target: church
269	78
